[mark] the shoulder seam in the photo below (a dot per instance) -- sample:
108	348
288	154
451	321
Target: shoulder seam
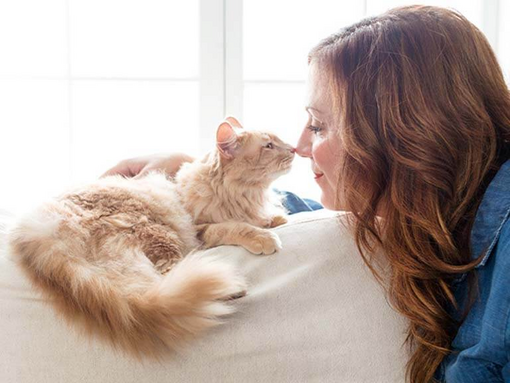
494	241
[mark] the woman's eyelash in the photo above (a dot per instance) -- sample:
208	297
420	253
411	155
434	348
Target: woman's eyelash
314	129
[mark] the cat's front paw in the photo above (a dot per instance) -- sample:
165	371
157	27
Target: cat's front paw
278	220
263	242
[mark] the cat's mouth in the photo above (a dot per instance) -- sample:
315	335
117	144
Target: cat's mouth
287	163
284	167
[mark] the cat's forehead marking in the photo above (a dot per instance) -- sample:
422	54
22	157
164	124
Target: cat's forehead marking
264	136
257	136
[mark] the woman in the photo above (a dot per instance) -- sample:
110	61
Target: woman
410	121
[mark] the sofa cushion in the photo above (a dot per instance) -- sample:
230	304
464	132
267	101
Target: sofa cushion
313	313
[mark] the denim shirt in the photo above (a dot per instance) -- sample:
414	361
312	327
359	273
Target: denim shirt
294	204
481	349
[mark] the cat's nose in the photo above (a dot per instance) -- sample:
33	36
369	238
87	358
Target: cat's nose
293	150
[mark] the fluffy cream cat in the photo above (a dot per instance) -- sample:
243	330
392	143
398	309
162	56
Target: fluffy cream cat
116	257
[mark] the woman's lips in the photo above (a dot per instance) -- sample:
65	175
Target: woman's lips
318	175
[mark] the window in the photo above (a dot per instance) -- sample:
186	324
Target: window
84	84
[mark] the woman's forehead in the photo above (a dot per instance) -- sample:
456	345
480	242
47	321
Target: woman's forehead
318	102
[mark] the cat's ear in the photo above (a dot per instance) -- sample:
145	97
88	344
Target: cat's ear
226	140
233	121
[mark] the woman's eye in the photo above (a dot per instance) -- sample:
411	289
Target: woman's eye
314	129
269	145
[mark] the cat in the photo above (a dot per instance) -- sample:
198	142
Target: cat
117	258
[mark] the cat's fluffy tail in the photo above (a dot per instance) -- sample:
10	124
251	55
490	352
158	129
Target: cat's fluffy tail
144	317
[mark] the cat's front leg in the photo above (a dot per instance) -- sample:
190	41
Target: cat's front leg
252	238
278	220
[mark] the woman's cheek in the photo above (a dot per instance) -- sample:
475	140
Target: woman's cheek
326	158
323	157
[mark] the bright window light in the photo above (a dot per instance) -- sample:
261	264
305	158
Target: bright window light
134	38
85	84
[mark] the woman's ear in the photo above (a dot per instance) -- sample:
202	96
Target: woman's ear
233	121
226	140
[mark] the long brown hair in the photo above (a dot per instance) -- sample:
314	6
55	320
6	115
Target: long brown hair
424	115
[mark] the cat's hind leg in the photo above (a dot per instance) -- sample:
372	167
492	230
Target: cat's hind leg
161	245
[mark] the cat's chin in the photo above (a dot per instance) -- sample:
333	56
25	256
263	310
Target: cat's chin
280	173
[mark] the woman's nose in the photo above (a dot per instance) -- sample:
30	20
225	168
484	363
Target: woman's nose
304	146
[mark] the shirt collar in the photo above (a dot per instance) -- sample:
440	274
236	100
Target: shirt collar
493	212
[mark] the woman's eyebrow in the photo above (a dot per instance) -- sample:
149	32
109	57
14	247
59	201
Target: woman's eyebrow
308	108
315	111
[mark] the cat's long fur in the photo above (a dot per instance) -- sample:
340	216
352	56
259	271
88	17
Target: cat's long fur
114	257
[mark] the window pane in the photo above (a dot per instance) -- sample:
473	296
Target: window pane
115	120
279	34
135	38
278	107
34	141
281	109
32	38
472	9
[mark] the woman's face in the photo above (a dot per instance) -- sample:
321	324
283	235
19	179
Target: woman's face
319	140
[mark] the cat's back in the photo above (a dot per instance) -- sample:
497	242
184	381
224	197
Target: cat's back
115	212
152	197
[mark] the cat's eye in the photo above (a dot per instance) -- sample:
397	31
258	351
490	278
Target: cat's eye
269	146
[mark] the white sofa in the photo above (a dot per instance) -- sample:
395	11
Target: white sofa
313	313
